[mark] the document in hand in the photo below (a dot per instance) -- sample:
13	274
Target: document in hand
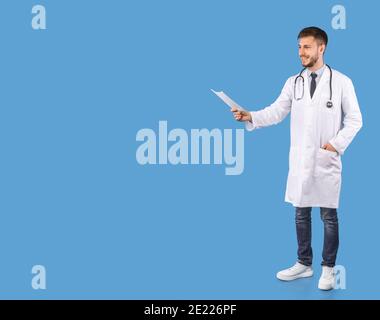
227	100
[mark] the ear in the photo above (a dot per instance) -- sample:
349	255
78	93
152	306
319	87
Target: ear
322	48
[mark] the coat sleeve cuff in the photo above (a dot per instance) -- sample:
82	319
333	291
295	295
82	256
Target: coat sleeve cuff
339	150
250	126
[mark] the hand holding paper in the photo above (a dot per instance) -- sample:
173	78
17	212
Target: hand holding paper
240	114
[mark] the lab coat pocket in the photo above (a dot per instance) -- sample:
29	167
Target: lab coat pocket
327	163
294	160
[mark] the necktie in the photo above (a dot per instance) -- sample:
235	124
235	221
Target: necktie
313	84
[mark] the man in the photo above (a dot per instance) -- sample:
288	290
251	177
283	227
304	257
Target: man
325	117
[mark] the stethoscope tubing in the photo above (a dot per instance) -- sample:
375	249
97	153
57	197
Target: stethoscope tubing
329	103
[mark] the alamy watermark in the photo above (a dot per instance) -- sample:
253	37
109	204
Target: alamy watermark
200	146
340	277
39	17
339	20
39	277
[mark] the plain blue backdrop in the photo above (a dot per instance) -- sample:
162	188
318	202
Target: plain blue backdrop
73	197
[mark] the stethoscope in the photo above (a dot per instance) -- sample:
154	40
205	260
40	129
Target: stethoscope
329	103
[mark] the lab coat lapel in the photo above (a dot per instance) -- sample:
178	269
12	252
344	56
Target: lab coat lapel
307	88
321	84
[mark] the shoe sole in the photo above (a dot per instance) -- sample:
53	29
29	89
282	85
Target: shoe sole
305	274
325	287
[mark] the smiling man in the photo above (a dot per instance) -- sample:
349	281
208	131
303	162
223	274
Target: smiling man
325	117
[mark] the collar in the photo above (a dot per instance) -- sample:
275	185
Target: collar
319	72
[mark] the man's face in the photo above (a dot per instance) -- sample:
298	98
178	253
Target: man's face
310	51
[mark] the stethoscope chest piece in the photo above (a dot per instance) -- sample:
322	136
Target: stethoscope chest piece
329	104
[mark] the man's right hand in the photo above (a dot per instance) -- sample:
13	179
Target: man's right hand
241	115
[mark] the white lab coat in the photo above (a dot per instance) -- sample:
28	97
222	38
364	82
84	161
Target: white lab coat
314	177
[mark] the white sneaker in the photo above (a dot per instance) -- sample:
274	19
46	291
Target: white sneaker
297	271
327	279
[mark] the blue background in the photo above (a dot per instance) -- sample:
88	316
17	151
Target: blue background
73	197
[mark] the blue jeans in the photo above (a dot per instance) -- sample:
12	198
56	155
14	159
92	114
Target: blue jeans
331	236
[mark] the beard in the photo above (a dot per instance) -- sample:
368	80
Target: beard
311	63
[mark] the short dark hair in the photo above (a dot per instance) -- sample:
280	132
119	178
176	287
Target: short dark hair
315	32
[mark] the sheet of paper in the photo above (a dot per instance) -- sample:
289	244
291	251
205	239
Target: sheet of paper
227	100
